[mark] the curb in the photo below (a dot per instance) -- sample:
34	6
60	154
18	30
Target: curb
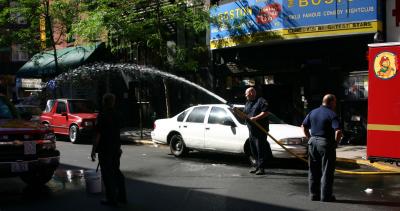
143	142
385	169
382	167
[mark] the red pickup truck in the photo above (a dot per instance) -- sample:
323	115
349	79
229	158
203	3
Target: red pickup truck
75	118
27	149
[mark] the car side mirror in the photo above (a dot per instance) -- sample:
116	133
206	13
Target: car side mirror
63	113
229	123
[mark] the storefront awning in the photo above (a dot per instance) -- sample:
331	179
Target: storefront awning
42	64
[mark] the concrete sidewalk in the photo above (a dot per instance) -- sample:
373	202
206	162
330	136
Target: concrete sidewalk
351	152
359	155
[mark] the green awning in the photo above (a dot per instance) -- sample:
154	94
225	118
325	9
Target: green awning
5	49
42	64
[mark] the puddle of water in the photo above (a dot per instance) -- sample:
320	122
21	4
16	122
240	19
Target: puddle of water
67	179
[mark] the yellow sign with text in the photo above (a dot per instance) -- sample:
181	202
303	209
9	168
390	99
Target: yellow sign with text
299	32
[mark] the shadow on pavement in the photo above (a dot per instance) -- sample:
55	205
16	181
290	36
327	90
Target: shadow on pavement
66	191
374	203
243	161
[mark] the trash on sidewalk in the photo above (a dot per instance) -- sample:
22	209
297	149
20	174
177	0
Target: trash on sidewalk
368	191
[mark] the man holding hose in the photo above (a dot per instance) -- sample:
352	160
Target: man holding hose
257	110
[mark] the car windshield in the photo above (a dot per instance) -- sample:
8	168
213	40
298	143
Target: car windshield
272	118
80	106
49	105
6	110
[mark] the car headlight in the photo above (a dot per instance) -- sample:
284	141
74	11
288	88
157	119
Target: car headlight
49	136
49	145
291	141
49	142
88	124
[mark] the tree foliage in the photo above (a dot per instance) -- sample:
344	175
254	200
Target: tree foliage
125	24
20	21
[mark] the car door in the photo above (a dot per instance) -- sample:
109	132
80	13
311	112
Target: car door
222	132
192	129
60	118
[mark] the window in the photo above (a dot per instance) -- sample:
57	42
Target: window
238	118
15	16
197	115
80	106
218	116
182	116
272	119
18	54
61	107
5	110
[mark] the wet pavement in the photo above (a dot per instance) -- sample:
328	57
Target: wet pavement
201	181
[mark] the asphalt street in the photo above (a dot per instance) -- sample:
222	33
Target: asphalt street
156	180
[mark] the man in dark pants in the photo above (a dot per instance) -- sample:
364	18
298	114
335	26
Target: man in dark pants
325	134
257	110
108	145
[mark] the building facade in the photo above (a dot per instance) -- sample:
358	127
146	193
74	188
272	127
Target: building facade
295	51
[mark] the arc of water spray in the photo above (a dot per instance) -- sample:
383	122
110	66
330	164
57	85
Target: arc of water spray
125	69
171	76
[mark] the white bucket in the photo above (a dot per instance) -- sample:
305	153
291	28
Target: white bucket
93	181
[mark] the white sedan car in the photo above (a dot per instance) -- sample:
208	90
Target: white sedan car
216	128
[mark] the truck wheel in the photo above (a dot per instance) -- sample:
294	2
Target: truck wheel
37	178
73	134
177	146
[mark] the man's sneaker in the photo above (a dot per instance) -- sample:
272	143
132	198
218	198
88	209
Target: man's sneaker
260	171
329	199
253	171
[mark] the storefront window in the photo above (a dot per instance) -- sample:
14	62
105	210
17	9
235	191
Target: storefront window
356	86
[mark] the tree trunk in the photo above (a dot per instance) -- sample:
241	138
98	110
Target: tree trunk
166	92
50	27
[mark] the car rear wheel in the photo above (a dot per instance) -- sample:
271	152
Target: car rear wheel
38	177
177	146
73	134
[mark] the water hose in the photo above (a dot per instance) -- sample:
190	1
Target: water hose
242	115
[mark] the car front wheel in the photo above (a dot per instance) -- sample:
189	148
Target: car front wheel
73	134
177	146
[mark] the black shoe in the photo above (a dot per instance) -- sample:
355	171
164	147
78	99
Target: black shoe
329	199
109	203
260	171
253	171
